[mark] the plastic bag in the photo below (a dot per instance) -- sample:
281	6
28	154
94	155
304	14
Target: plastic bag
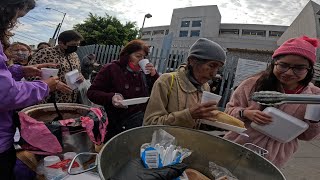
83	89
220	173
163	152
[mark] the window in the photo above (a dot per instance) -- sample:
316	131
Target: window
185	23
196	23
195	33
167	32
183	34
275	33
254	32
146	33
158	32
229	31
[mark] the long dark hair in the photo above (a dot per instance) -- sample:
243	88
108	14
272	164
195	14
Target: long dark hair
269	82
8	16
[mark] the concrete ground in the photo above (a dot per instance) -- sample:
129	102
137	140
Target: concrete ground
305	165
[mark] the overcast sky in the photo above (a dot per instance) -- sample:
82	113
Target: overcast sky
39	24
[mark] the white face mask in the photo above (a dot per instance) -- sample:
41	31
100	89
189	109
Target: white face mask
21	54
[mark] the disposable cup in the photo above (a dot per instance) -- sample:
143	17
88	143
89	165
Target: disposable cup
312	112
50	160
46	73
142	64
69	155
208	96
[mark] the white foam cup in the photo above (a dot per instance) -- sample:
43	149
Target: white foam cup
69	155
50	160
46	73
208	96
142	64
312	112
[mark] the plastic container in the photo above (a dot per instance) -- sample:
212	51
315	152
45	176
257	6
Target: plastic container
312	112
71	79
46	73
51	173
284	127
70	156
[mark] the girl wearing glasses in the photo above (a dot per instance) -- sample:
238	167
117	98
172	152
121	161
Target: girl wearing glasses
290	72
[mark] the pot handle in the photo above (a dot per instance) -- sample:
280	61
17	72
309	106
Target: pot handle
83	171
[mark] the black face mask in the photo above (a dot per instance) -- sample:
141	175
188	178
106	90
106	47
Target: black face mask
71	49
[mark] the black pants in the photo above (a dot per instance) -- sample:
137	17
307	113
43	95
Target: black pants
7	163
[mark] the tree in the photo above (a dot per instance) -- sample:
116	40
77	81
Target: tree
106	30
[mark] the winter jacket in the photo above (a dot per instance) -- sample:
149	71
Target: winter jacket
15	95
116	77
279	153
170	101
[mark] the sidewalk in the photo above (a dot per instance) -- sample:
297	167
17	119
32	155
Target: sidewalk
306	163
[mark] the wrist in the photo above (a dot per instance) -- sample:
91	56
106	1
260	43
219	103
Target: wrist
242	113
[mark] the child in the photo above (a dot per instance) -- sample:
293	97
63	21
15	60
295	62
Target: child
290	72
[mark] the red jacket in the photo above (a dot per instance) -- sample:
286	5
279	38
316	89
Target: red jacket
116	78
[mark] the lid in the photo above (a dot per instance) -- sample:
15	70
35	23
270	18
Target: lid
284	127
50	160
69	155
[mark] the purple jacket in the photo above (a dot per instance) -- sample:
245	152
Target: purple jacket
15	95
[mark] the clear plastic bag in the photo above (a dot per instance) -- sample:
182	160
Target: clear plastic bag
83	89
162	151
220	173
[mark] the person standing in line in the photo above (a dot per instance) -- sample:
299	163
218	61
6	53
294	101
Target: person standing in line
15	94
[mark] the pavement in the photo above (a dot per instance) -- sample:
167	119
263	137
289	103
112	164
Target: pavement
305	165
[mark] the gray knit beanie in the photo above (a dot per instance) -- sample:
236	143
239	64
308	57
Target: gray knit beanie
206	49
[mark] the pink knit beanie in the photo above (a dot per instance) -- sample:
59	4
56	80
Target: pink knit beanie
302	46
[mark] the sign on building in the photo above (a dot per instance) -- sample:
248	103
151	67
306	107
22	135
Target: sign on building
247	68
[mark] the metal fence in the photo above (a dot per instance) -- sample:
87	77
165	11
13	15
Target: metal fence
164	61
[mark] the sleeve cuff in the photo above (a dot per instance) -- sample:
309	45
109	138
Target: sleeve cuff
16	71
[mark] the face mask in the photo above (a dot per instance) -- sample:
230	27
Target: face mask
71	49
22	55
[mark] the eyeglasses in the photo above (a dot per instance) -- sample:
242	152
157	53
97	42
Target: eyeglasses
297	69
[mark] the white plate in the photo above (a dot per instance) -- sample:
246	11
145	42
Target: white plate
128	102
229	127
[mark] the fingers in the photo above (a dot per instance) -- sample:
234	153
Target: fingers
149	65
46	65
63	87
262	118
209	103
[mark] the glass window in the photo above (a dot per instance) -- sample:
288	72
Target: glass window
275	33
195	33
167	32
229	31
183	34
254	32
158	32
196	23
185	23
146	33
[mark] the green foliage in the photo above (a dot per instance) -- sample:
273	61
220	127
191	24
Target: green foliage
106	30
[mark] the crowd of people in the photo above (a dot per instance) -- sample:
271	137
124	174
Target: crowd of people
175	98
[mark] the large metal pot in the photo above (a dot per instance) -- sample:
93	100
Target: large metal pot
77	142
242	162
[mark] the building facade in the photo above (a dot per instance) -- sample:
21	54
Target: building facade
190	23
